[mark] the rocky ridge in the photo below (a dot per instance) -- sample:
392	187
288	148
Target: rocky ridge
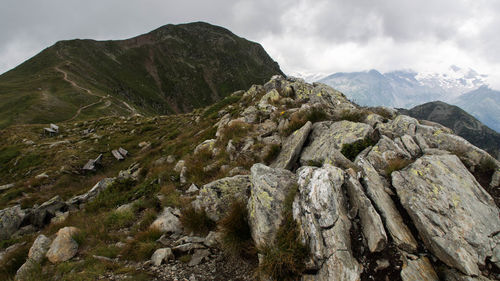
371	194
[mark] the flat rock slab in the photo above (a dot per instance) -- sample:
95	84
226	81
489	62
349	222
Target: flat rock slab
328	136
454	215
265	206
292	147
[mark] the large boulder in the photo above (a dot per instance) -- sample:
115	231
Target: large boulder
371	223
378	191
64	247
328	137
167	222
269	189
292	147
216	197
320	209
36	255
456	218
10	221
42	215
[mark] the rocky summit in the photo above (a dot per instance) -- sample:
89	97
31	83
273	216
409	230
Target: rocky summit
282	181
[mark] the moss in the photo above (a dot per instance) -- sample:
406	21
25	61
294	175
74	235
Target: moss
351	150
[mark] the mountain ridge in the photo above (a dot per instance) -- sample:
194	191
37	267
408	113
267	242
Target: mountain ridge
173	68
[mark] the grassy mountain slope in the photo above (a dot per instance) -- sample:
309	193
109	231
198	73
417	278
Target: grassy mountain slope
462	123
172	69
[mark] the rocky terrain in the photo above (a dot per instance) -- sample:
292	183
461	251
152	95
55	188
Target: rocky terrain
283	181
172	69
462	124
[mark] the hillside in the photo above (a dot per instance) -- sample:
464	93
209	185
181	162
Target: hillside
283	181
172	69
484	104
462	124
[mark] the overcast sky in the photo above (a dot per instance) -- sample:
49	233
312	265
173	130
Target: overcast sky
308	36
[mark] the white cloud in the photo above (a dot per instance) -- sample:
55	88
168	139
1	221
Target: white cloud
311	36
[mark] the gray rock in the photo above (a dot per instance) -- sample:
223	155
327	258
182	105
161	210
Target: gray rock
182	175
6	186
268	192
198	256
10	221
455	217
206	145
63	247
384	152
36	255
180	164
44	213
160	255
92	193
371	223
292	147
211	240
418	270
192	188
170	159
132	172
376	191
216	197
327	138
167	222
320	210
450	274
188	247
411	146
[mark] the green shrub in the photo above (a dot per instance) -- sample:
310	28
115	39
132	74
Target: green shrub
316	114
351	150
196	221
236	236
285	260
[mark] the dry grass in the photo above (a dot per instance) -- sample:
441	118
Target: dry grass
196	221
236	236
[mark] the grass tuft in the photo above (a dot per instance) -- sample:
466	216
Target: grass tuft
196	221
236	235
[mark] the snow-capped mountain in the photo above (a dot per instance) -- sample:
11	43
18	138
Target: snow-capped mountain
308	76
407	88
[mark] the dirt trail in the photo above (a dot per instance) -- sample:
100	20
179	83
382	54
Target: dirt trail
88	91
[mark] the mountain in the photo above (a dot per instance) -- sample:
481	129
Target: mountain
172	69
404	88
462	124
484	104
284	181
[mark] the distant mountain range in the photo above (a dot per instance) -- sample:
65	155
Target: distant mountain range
462	124
172	69
404	89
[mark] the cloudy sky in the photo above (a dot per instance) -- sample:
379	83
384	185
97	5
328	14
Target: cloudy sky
307	36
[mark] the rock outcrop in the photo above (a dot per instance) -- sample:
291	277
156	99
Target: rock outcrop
269	189
457	220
